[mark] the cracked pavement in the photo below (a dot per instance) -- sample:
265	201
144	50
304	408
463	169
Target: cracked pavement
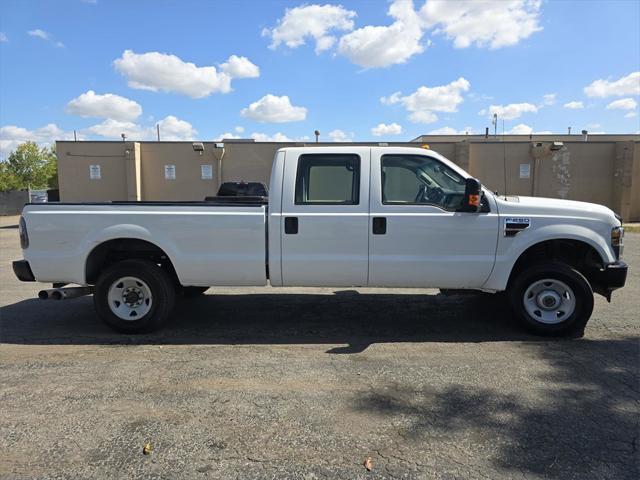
308	383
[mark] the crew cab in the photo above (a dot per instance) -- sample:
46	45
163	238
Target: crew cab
335	217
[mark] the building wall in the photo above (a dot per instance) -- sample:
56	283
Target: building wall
74	162
634	197
605	172
487	163
188	183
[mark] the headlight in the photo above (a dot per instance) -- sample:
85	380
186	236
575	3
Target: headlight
617	236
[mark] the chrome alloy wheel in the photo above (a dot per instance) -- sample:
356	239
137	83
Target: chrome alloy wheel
549	301
130	298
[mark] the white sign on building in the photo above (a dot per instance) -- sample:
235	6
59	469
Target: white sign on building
525	170
94	172
169	172
206	172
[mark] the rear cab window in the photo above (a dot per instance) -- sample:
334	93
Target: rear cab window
328	179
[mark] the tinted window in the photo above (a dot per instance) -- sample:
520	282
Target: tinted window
332	179
418	179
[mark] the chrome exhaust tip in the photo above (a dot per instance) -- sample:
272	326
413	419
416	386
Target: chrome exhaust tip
64	293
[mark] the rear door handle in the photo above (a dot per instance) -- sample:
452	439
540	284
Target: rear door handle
379	225
291	225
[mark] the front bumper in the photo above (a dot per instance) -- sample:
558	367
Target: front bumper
610	278
22	269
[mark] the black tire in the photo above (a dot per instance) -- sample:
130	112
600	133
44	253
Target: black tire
158	281
191	292
575	323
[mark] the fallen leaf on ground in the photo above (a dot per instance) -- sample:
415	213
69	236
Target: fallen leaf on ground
368	463
147	449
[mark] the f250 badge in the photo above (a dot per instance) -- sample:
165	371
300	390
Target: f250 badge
514	225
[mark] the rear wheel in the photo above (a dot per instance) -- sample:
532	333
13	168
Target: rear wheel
134	296
552	299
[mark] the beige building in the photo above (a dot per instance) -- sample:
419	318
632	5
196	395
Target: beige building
603	169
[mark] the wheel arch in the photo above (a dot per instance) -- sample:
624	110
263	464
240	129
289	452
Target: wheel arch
113	250
579	253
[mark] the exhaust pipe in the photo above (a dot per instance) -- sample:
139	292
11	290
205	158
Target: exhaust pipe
64	293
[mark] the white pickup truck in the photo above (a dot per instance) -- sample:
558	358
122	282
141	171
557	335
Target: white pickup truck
335	217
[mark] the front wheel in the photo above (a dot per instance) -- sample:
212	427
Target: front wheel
552	299
134	296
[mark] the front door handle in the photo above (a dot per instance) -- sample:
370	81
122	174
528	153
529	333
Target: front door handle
379	225
291	225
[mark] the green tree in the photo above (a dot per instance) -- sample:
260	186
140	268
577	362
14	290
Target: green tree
29	166
8	180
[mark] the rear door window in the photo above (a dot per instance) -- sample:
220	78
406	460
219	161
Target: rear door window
328	179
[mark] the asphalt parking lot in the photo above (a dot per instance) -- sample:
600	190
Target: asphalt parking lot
308	383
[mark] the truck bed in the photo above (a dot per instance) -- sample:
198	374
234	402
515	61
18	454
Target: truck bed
215	242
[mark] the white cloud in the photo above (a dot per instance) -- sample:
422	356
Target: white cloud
549	99
3	37
174	129
317	22
383	129
574	105
259	136
11	136
631	115
38	33
629	85
226	136
623	104
276	137
90	104
520	129
509	112
157	71
391	99
422	103
274	109
110	128
382	46
481	22
451	131
489	23
240	67
340	136
171	129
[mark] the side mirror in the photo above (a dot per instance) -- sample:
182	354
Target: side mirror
472	196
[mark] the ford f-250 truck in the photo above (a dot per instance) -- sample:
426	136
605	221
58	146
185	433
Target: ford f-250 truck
335	217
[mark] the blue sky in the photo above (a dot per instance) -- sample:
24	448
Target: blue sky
373	70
